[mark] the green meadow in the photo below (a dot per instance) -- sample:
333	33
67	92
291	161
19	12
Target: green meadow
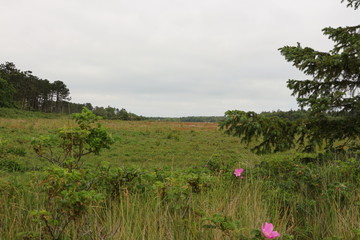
144	144
172	180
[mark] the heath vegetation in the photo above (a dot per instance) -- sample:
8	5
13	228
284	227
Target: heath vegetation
277	175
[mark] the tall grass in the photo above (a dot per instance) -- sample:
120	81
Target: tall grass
135	215
323	205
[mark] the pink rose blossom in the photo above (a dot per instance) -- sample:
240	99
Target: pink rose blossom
267	230
238	172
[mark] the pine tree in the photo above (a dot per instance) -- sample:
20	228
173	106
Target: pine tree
331	96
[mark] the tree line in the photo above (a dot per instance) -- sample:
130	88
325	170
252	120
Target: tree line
115	113
23	90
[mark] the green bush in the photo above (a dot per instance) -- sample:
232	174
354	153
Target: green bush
67	147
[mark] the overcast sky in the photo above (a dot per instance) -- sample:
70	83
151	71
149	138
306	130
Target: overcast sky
168	57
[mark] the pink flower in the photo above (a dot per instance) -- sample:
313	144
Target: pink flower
267	230
238	172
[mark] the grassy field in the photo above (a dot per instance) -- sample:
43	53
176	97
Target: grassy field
145	144
169	180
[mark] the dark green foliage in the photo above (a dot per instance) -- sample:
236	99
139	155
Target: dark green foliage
290	115
331	96
335	83
25	91
29	92
353	3
275	134
333	93
115	113
6	94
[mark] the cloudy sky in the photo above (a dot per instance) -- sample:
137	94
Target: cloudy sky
168	57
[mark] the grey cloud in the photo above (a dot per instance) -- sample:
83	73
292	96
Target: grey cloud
168	58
